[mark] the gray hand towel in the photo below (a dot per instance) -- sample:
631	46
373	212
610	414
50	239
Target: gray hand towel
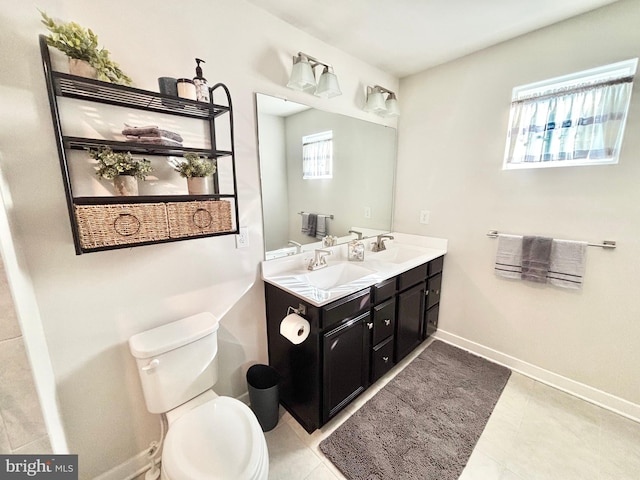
536	257
321	227
305	224
313	224
567	263
509	256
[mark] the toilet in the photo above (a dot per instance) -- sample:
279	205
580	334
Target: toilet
209	436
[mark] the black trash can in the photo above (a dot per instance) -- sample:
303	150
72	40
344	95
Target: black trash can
262	381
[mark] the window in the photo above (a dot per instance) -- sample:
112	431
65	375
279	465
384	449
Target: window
317	155
576	119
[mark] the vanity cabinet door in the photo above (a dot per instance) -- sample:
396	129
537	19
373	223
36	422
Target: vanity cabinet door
345	363
384	320
409	320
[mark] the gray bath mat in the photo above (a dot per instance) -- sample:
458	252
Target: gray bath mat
424	423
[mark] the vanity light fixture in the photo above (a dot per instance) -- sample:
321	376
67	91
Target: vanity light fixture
303	77
379	104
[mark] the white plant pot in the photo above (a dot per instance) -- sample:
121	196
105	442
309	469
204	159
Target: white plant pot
82	68
126	185
198	185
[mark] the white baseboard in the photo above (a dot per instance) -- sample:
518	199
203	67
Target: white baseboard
129	469
577	389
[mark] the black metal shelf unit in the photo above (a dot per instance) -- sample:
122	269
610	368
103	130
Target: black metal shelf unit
196	207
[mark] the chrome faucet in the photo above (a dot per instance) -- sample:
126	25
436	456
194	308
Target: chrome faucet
378	245
319	259
359	234
296	244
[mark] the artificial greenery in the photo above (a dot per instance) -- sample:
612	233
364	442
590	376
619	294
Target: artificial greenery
195	166
113	164
78	42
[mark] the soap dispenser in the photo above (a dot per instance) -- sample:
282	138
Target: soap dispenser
202	89
355	251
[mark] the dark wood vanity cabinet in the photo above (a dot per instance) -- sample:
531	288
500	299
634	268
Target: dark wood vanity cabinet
352	342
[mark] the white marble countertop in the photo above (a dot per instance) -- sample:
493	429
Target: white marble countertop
402	253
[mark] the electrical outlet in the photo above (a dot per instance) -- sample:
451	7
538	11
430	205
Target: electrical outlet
367	212
242	238
424	216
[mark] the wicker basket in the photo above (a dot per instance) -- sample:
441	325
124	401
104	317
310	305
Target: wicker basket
188	219
107	225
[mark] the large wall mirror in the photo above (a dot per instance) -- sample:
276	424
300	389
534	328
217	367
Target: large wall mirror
337	168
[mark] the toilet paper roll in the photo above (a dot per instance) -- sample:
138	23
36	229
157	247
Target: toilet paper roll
294	328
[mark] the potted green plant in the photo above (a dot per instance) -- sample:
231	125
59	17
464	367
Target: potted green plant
122	168
81	46
196	169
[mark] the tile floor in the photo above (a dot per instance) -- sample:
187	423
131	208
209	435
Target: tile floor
535	433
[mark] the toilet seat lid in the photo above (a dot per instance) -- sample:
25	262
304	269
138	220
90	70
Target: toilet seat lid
220	439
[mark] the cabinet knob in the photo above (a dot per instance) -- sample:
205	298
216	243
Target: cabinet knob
387	321
385	359
370	325
426	293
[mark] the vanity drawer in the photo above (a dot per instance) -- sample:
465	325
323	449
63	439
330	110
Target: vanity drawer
382	359
435	266
412	277
434	284
431	321
345	308
384	320
383	290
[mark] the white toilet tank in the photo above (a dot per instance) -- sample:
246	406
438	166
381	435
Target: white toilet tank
176	361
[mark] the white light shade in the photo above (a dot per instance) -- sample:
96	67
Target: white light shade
302	78
375	102
328	85
393	110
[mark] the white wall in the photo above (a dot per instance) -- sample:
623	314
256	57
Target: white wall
451	145
89	305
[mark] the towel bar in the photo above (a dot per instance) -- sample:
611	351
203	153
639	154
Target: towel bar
320	215
604	244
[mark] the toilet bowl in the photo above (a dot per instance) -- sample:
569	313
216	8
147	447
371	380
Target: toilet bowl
210	437
216	440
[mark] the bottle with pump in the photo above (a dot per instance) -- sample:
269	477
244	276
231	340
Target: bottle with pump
202	89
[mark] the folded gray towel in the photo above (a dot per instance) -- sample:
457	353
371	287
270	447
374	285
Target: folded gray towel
567	263
155	140
509	256
151	131
536	257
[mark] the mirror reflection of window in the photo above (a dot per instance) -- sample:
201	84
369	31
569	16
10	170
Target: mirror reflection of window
317	155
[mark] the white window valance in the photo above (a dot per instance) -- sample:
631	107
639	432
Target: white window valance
573	120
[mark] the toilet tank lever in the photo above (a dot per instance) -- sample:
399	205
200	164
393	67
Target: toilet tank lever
151	365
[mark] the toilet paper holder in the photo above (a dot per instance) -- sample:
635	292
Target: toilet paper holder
301	310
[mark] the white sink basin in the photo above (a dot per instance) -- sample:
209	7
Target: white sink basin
397	254
335	275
